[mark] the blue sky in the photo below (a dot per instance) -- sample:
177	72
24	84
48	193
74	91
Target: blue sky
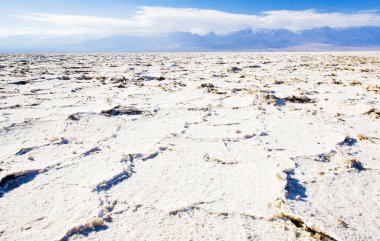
94	19
120	8
19	16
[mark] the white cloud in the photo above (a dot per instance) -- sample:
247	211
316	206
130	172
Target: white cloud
150	20
75	20
200	21
301	20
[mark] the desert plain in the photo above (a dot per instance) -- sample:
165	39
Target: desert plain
190	146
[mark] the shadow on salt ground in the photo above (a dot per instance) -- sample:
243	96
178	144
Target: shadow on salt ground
348	141
84	231
107	185
295	191
14	181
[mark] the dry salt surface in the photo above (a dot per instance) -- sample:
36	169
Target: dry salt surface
237	146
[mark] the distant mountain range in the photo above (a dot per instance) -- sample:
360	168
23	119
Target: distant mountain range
319	39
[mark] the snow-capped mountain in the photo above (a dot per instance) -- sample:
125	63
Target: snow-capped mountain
244	40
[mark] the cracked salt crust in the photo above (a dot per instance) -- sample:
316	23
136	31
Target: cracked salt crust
285	150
